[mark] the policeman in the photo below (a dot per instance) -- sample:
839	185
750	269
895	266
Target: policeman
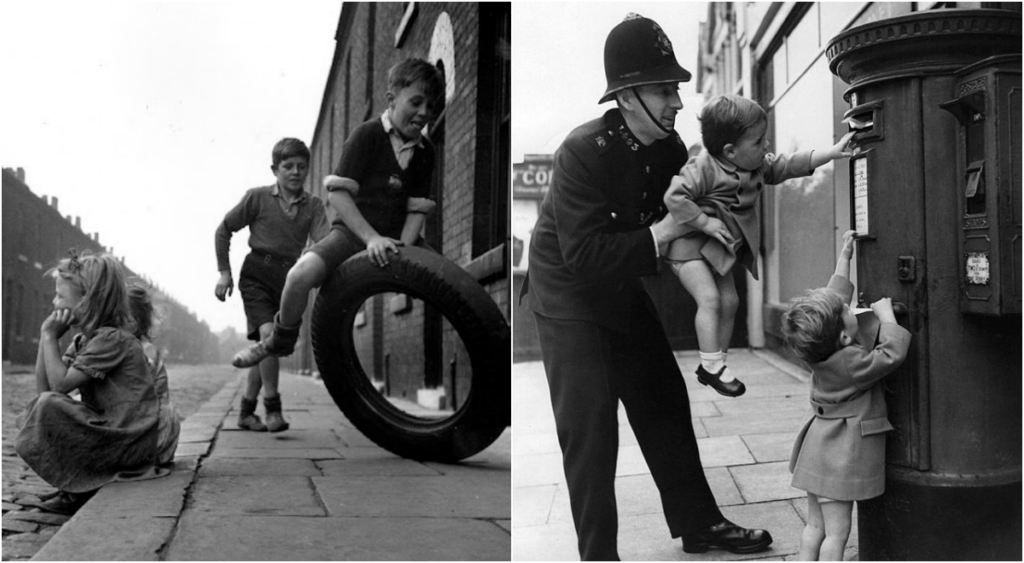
601	227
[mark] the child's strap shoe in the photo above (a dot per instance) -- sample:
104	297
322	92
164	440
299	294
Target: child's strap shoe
733	388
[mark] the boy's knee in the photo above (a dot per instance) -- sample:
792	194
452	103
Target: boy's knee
306	274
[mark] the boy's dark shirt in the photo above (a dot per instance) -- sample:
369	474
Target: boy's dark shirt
271	230
369	159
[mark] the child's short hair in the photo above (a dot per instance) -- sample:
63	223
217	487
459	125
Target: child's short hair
813	325
410	71
100	280
725	118
287	148
141	304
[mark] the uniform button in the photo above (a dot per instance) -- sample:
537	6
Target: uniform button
645	195
821	410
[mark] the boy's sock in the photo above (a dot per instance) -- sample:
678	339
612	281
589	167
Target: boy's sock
714	362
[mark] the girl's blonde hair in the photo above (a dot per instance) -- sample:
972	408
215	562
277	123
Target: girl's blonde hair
813	325
100	280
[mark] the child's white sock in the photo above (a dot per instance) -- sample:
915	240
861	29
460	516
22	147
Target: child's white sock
714	362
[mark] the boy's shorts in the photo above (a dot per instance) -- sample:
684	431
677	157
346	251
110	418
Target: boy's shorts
260	283
340	245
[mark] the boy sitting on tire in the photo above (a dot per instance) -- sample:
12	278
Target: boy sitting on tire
380	193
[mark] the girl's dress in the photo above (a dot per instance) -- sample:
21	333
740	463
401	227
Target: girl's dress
169	426
78	446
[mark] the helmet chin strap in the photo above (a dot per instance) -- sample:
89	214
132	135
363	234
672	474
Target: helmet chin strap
636	94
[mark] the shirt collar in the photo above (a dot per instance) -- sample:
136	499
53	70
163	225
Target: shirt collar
276	192
724	164
389	128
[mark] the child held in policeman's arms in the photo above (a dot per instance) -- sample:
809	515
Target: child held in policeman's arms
714	202
839	454
380	193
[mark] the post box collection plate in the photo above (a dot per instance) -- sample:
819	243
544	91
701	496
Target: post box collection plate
859	171
977	268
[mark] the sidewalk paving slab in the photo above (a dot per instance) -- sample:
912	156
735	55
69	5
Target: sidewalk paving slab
210	537
319	491
744	444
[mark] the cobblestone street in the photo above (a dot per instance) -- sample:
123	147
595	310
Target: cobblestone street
26	529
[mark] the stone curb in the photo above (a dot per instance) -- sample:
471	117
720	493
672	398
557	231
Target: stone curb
137	519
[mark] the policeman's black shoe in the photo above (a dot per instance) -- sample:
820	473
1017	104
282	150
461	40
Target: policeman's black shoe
734	388
65	503
727	536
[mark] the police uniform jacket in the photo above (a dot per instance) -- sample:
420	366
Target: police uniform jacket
718	188
840	452
592	243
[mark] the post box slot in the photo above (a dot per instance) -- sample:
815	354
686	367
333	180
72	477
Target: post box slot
865	121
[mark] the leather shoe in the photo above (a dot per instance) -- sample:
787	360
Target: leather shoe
728	536
734	388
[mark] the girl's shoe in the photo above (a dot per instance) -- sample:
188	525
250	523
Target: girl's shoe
733	388
65	503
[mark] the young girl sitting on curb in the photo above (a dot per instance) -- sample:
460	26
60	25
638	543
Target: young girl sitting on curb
112	432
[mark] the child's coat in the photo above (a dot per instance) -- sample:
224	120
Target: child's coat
840	452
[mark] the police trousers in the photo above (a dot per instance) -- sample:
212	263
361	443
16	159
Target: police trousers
590	368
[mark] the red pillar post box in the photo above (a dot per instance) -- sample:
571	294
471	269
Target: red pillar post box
935	100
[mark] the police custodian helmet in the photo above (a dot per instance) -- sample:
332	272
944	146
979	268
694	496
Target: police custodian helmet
638	52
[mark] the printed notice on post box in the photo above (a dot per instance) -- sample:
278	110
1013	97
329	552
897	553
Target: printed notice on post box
860	196
977	268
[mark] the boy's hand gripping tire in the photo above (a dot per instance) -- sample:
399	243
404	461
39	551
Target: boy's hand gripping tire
480	418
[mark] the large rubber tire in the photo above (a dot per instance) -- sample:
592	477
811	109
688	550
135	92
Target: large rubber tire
428	276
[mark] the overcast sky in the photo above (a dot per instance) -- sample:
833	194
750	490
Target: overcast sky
558	65
149	120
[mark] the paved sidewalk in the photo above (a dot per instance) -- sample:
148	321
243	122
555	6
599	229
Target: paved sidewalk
320	491
744	444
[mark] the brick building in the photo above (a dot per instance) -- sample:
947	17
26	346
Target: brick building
35	237
470	42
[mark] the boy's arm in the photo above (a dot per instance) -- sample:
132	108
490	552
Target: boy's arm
234	220
841	149
866	367
412	228
680	198
843	264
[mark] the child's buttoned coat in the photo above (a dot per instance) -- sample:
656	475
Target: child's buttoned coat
716	187
840	452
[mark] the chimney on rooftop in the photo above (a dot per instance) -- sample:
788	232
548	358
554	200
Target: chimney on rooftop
53	202
20	174
78	222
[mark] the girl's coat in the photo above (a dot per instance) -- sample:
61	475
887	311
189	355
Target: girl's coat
839	454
